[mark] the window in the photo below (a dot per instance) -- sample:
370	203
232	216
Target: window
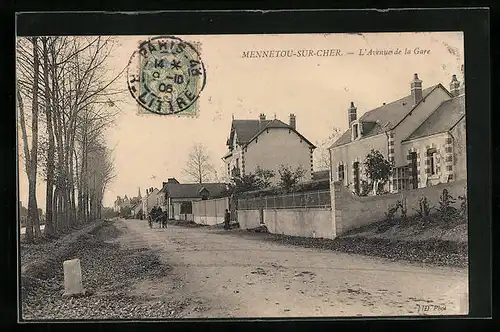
341	174
186	208
400	180
237	163
433	158
356	179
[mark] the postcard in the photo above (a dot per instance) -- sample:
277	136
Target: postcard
242	175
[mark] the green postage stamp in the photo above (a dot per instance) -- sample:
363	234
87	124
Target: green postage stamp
165	75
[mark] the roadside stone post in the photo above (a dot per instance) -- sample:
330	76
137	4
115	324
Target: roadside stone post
73	278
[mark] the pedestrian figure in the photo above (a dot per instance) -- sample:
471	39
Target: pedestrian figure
159	214
226	219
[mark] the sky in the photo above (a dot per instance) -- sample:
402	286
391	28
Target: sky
150	148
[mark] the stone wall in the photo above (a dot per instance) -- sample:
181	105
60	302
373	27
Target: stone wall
304	222
351	211
248	218
210	212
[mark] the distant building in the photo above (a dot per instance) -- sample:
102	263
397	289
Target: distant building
125	202
178	197
137	210
150	200
267	144
422	135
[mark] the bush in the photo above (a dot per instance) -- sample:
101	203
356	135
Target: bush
389	215
399	206
445	209
365	188
463	206
424	209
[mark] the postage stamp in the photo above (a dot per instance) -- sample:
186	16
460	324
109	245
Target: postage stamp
165	75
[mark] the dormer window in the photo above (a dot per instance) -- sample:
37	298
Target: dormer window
356	130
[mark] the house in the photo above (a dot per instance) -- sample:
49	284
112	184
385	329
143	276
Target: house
117	204
162	197
125	202
121	203
178	197
422	135
149	200
267	144
136	211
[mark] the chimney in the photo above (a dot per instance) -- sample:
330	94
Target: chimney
292	121
416	89
262	118
352	113
454	86
163	184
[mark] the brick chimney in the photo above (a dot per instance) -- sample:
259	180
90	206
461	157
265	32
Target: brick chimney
416	89
352	113
262	118
172	180
293	122
454	86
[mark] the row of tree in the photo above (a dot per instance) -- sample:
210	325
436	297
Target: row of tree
66	100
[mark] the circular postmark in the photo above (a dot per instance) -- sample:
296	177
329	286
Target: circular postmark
165	75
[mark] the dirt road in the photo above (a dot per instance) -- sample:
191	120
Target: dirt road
233	274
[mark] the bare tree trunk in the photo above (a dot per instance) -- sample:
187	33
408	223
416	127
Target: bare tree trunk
55	216
32	204
49	227
29	222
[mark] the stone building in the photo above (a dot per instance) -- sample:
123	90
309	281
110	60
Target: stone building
422	135
267	144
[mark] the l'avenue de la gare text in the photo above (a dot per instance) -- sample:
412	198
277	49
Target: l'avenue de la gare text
395	51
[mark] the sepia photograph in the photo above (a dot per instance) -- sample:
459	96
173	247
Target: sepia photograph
242	176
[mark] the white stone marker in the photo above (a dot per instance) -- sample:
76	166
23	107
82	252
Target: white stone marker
73	278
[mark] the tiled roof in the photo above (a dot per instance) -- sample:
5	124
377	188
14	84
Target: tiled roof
138	205
247	130
190	190
442	119
384	117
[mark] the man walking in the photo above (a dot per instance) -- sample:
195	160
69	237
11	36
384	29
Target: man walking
159	213
226	219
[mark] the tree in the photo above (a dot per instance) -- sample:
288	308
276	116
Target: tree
377	169
265	176
289	177
30	157
198	167
221	176
321	154
247	182
67	79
